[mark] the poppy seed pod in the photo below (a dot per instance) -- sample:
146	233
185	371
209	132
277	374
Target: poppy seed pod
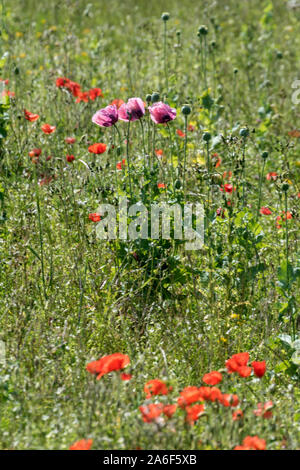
186	109
155	97
285	187
244	132
265	155
206	136
165	16
202	30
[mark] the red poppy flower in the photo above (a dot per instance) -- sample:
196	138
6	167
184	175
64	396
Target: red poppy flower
161	185
191	128
106	364
83	444
47	129
259	368
229	399
244	371
70	158
155	387
169	410
265	211
264	410
151	412
97	148
215	394
30	116
94	93
228	188
6	81
61	82
286	215
126	376
159	152
212	378
35	152
194	412
188	396
236	361
237	414
70	140
180	133
272	176
95	217
82	96
254	442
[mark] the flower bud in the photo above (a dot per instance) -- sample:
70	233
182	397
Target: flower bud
265	155
202	30
244	132
206	136
285	187
186	109
165	16
155	97
148	98
177	184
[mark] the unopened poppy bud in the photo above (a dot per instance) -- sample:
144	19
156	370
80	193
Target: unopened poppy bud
244	132
213	44
118	150
186	109
285	187
165	16
279	55
202	30
206	136
235	71
265	155
177	184
155	97
148	98
178	33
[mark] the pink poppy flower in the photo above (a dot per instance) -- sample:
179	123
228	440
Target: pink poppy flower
106	117
161	113
133	110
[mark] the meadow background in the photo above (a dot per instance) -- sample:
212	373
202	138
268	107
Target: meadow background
67	298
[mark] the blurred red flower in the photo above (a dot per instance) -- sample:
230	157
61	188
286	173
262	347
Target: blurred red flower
30	116
83	444
151	412
106	364
259	368
265	211
70	140
70	158
97	148
47	129
194	412
212	378
95	217
156	387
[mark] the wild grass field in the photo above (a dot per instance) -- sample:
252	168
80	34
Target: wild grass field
205	342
